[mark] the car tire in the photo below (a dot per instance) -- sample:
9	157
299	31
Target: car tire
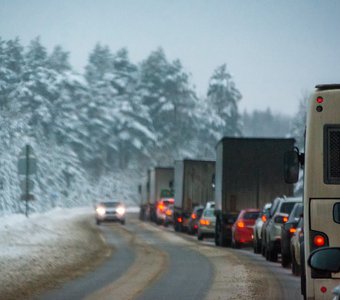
98	222
257	245
122	222
285	261
234	243
273	255
200	236
267	253
295	267
263	247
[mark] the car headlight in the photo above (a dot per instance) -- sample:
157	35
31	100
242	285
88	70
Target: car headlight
100	211
120	210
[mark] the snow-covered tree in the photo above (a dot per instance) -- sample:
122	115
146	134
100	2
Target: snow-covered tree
133	125
171	101
58	60
223	96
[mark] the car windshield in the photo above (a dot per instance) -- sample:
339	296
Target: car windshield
287	207
251	215
296	212
110	204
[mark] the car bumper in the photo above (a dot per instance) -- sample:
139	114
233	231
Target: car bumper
110	218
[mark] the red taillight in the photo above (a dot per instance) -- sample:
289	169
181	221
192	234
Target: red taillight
319	241
285	219
292	230
161	207
204	222
193	216
241	224
195	226
179	220
264	218
319	100
323	289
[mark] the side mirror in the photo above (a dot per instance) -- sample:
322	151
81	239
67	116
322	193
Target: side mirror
291	166
325	259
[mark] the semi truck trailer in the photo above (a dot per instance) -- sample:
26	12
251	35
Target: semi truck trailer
249	173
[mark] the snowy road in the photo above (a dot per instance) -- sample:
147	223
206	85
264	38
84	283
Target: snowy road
141	261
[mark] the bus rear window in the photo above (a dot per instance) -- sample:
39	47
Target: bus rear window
332	154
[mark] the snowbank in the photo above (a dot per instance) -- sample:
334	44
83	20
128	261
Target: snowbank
45	249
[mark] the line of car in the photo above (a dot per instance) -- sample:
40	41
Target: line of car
274	230
278	230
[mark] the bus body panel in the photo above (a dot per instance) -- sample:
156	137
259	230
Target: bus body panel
319	195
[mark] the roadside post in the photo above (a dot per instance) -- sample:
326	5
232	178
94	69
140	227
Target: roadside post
27	166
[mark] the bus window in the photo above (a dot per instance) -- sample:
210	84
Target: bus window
332	157
336	212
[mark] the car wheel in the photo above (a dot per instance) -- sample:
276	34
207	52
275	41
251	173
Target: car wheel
272	254
267	253
176	227
234	243
97	222
285	261
297	269
263	247
200	236
257	244
122	222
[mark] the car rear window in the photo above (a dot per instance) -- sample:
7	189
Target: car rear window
209	213
297	211
251	215
287	207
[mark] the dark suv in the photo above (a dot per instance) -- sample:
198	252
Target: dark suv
287	232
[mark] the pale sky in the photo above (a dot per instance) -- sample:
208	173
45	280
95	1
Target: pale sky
275	50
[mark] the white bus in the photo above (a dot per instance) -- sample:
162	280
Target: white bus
321	263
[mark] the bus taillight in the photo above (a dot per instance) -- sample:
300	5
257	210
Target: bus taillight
319	241
319	100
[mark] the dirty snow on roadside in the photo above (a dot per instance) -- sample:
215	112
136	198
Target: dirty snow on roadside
41	250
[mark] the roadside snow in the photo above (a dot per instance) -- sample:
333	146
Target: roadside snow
42	250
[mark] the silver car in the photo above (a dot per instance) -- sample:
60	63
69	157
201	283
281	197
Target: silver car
278	215
206	224
258	227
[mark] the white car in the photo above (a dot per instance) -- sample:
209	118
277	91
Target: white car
295	248
110	211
